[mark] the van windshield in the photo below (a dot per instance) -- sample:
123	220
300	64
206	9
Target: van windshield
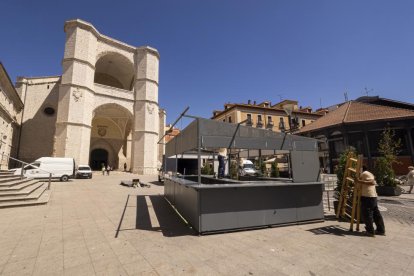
84	168
248	166
32	166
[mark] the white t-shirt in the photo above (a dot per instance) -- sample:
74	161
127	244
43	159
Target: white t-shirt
410	177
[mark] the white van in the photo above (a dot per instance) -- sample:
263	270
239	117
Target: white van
62	168
247	168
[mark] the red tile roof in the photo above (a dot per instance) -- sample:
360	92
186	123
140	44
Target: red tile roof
354	112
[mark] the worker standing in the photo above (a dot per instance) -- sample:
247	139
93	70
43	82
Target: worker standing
369	204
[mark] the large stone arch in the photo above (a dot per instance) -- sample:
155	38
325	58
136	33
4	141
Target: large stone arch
96	70
111	130
115	70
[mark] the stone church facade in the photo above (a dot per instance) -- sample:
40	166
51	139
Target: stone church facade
103	109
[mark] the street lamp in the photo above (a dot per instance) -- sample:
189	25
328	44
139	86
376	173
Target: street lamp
288	108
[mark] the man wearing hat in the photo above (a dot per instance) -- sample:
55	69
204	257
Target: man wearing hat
410	178
369	205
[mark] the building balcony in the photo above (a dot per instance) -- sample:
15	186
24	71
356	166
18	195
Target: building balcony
249	123
113	91
259	124
270	125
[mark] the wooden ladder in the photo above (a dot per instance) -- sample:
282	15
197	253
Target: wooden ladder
351	188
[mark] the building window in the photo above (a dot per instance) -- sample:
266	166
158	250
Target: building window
269	119
224	120
303	123
259	118
281	124
49	111
249	120
229	119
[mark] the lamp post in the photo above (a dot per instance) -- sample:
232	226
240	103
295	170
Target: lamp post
288	108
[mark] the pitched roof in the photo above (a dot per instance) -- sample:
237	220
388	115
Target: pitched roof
355	112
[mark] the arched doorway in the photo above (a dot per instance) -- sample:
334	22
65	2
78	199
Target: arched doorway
111	131
98	156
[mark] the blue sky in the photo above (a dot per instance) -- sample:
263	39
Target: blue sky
214	52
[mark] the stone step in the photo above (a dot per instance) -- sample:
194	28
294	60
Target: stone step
7	178
34	195
24	191
6	173
42	199
9	184
18	185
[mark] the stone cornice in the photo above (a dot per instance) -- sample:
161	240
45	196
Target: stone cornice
145	131
74	124
147	79
96	93
150	50
148	101
80	61
89	27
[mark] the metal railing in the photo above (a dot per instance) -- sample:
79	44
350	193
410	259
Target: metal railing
24	164
330	183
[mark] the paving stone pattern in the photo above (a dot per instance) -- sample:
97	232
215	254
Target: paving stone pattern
97	227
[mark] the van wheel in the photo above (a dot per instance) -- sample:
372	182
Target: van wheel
64	178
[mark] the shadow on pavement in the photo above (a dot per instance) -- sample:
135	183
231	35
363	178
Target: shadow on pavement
335	230
165	221
157	183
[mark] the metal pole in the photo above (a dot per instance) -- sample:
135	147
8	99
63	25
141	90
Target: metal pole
50	180
172	126
198	151
21	172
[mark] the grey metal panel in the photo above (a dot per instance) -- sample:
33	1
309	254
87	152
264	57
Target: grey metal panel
244	207
310	202
169	189
186	199
304	145
219	135
305	166
185	141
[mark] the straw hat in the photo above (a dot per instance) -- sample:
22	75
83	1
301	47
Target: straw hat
367	176
411	168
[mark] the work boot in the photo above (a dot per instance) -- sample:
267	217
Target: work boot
379	233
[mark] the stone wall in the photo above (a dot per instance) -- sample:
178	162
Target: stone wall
38	125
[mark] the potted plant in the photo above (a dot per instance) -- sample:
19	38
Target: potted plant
388	147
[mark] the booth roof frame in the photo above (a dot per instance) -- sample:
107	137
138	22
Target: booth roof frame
205	134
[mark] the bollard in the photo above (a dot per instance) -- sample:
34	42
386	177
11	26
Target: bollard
50	180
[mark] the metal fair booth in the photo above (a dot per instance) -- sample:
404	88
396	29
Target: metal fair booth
214	205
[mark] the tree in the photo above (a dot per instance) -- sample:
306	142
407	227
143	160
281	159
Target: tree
388	147
263	168
275	170
233	169
207	169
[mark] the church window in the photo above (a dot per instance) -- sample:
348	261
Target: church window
49	111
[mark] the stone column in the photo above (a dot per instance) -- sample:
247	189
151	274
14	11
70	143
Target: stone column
146	119
74	117
161	145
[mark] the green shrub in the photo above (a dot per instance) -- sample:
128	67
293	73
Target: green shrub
207	169
233	170
388	147
275	170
